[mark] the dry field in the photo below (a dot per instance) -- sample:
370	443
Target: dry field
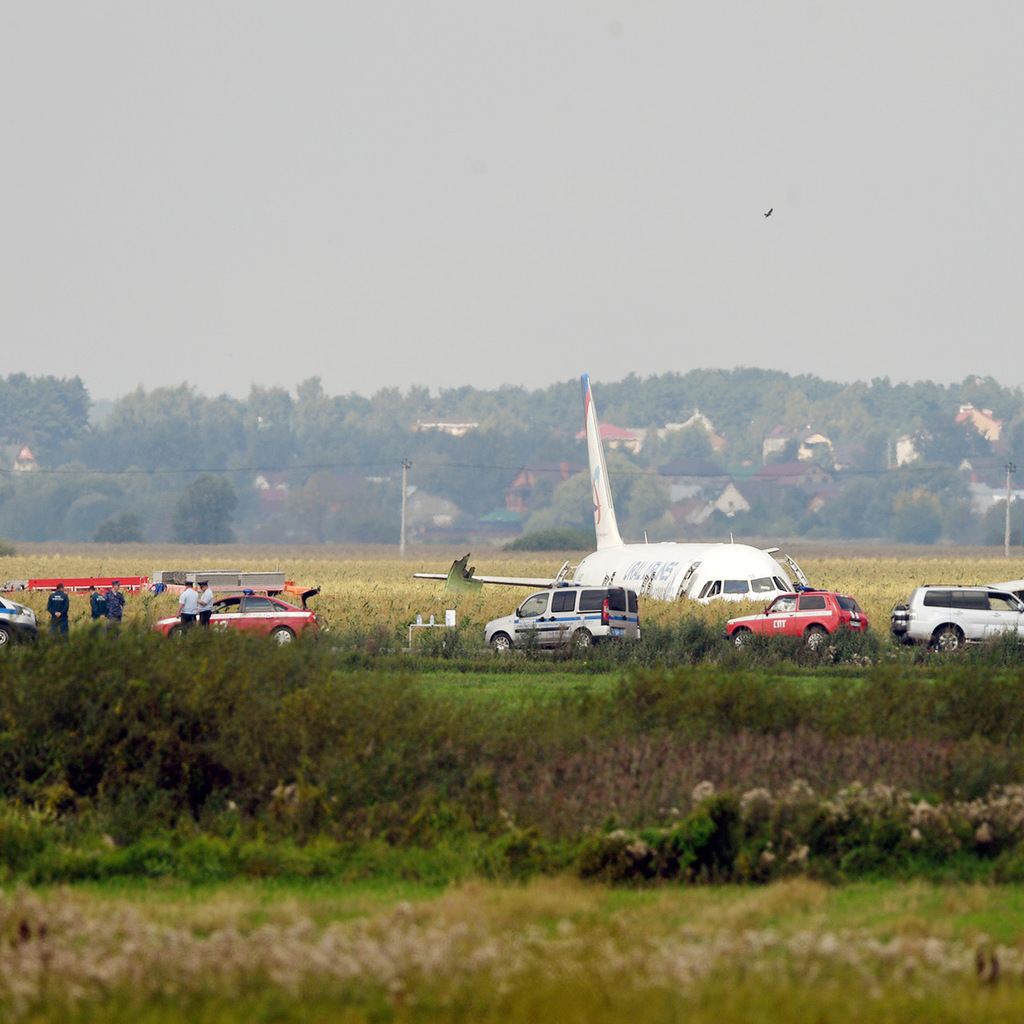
366	586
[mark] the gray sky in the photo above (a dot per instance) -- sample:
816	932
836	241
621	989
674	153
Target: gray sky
462	192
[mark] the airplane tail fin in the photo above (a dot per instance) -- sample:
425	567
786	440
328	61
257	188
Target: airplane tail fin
605	526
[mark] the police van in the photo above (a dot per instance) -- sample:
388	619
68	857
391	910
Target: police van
568	614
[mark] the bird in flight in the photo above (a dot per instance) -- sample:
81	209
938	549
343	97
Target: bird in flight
769	213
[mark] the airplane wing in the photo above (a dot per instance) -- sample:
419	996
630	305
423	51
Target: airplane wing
459	577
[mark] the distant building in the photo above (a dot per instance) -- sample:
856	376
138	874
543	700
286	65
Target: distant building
520	491
619	437
24	461
454	427
982	420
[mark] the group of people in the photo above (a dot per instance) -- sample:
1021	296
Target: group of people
108	606
194	606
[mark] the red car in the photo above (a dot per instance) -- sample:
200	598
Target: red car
811	614
254	613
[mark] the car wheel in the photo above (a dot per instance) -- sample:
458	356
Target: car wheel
815	637
282	635
948	638
582	639
742	636
5	636
501	642
176	632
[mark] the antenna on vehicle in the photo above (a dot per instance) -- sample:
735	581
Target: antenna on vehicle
646	541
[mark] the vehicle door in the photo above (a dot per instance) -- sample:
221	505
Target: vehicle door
259	614
226	613
532	623
778	619
1004	614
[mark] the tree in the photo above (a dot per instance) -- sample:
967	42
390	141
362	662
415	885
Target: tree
203	513
125	529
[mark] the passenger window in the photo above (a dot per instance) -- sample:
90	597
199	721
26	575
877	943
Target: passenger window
784	604
563	601
811	602
535	604
1001	603
258	605
592	600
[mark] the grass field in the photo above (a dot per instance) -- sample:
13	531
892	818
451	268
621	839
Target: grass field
387	948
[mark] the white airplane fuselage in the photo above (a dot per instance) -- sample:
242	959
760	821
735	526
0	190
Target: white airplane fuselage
668	570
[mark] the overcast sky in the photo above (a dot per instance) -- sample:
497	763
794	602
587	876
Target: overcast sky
454	192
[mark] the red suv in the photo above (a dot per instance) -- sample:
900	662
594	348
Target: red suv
811	614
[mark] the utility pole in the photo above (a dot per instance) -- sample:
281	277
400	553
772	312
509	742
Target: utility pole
406	466
1010	468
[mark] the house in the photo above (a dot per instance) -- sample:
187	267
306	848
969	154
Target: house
905	451
25	461
808	443
689	477
619	437
808	475
699	420
457	428
982	420
731	501
520	491
273	492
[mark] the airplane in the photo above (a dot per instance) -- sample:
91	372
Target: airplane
665	570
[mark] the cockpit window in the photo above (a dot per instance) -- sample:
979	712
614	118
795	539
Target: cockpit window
764	585
737	587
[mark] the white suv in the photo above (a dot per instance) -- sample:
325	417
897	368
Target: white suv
947	617
567	614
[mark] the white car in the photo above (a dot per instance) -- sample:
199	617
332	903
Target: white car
567	615
947	617
17	622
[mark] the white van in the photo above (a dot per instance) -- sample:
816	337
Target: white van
567	615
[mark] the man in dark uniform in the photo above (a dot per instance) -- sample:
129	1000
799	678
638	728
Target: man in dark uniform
57	606
97	604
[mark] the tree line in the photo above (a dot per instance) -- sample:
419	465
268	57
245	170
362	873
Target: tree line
173	464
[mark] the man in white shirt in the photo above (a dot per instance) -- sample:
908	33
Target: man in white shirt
205	603
188	606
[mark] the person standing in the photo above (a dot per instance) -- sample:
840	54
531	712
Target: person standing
97	603
205	604
188	606
57	605
115	605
